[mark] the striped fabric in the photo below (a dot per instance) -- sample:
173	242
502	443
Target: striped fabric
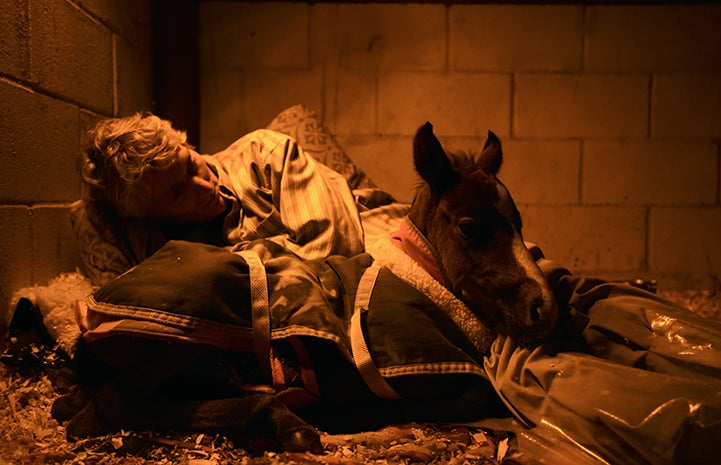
282	194
380	222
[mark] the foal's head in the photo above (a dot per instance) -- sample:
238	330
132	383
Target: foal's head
467	214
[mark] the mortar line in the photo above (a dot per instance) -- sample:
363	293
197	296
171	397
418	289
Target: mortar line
581	156
10	80
114	58
649	119
718	172
447	57
36	89
512	110
584	24
647	241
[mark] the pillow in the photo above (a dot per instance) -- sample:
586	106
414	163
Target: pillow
100	251
304	126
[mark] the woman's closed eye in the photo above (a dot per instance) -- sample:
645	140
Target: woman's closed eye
191	168
177	193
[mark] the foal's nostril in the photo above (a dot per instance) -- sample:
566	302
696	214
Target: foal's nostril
536	313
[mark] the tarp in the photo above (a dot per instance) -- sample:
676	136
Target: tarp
634	380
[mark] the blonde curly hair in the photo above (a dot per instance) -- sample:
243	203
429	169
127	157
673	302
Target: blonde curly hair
120	151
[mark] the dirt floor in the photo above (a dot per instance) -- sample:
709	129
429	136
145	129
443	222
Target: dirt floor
28	434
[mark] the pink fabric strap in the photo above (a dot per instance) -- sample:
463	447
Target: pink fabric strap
412	243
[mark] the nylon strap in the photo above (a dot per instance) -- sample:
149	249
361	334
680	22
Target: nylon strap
361	354
260	311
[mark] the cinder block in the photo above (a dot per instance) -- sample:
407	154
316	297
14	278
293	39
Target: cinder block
16	256
135	76
469	145
39	146
236	35
687	105
71	55
580	105
355	103
379	36
649	172
538	172
130	19
222	109
457	104
14	39
268	92
516	37
685	240
234	103
541	171
653	38
54	243
388	161
590	240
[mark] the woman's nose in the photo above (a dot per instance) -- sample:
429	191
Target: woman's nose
203	184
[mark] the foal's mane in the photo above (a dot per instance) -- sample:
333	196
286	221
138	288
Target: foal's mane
461	161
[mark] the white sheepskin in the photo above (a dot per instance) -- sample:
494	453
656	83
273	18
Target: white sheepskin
388	255
56	302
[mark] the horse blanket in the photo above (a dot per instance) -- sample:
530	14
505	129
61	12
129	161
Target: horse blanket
386	317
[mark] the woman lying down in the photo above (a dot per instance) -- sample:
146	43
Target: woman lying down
342	336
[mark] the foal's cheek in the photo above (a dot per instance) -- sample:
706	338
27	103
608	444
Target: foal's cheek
482	304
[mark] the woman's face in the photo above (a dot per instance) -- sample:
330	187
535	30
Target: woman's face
185	191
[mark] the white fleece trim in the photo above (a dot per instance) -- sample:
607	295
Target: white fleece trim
388	255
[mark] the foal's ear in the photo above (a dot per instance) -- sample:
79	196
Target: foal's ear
431	161
491	157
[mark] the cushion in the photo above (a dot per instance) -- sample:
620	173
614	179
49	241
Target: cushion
305	127
100	250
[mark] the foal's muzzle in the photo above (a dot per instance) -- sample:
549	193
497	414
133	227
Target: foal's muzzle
536	313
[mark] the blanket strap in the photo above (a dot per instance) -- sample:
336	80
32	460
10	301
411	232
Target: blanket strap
361	354
260	310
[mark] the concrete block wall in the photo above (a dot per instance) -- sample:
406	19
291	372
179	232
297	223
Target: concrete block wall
63	65
610	115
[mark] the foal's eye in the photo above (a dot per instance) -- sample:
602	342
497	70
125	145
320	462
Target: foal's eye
474	230
478	231
466	225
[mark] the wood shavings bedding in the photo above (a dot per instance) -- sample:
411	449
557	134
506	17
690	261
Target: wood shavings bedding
28	435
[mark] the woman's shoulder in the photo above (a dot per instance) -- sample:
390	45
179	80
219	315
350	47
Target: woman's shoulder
257	142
